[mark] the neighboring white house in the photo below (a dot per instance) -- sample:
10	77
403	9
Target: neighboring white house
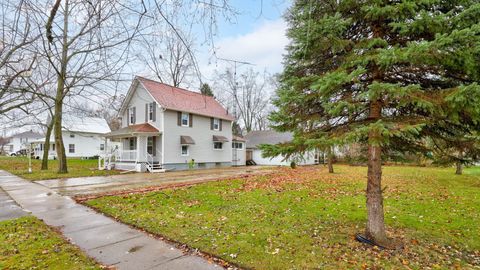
83	137
166	128
20	141
256	138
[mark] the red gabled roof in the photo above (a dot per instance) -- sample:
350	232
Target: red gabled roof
179	99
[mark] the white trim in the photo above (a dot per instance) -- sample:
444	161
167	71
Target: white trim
188	119
181	150
218	124
218	149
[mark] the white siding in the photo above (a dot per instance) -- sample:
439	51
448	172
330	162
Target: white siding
202	151
278	160
241	156
139	98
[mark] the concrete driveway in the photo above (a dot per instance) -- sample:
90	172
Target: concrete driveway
102	184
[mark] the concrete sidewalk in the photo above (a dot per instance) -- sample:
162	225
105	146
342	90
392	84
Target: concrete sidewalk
9	209
102	238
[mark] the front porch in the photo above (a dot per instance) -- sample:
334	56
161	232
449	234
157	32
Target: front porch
135	148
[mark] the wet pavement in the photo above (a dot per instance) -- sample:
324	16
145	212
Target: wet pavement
101	184
104	239
9	209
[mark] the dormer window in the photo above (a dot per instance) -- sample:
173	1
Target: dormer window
216	124
185	119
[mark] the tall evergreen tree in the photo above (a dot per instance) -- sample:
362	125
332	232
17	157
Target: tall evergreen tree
384	73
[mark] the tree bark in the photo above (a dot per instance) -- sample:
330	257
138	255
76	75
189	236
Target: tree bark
330	159
375	230
46	145
62	158
459	169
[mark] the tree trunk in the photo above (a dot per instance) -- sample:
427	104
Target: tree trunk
459	166
46	145
375	230
57	126
330	159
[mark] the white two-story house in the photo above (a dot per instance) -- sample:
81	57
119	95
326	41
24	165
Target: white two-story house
83	137
169	128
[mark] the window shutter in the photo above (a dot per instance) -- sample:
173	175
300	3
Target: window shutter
146	113
220	124
190	122
154	145
128	117
179	118
211	123
134	115
154	111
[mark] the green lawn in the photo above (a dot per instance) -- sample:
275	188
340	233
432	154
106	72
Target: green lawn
76	168
307	218
27	243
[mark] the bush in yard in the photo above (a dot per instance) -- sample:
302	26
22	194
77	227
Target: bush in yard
391	74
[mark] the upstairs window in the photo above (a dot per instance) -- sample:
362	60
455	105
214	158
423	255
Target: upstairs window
72	135
131	115
216	124
185	119
150	111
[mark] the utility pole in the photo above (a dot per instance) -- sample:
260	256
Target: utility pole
235	99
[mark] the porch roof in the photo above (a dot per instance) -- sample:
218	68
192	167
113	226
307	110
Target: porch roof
132	130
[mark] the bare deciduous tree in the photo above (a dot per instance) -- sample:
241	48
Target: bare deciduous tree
85	43
17	60
251	99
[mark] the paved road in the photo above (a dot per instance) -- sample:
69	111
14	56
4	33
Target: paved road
108	241
101	184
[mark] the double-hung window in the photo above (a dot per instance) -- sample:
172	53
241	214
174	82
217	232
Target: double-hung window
150	111
131	115
184	150
185	119
216	124
71	148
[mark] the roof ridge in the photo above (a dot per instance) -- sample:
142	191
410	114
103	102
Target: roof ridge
179	88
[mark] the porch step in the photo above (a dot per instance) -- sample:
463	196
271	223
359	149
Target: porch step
155	168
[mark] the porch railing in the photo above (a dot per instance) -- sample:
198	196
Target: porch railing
126	155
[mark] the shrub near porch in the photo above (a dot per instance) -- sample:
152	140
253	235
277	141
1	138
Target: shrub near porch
307	218
76	168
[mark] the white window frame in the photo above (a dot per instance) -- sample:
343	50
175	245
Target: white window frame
150	112
131	117
218	143
236	144
186	147
102	146
216	124
188	119
70	148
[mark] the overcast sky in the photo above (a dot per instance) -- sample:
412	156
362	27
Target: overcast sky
257	36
